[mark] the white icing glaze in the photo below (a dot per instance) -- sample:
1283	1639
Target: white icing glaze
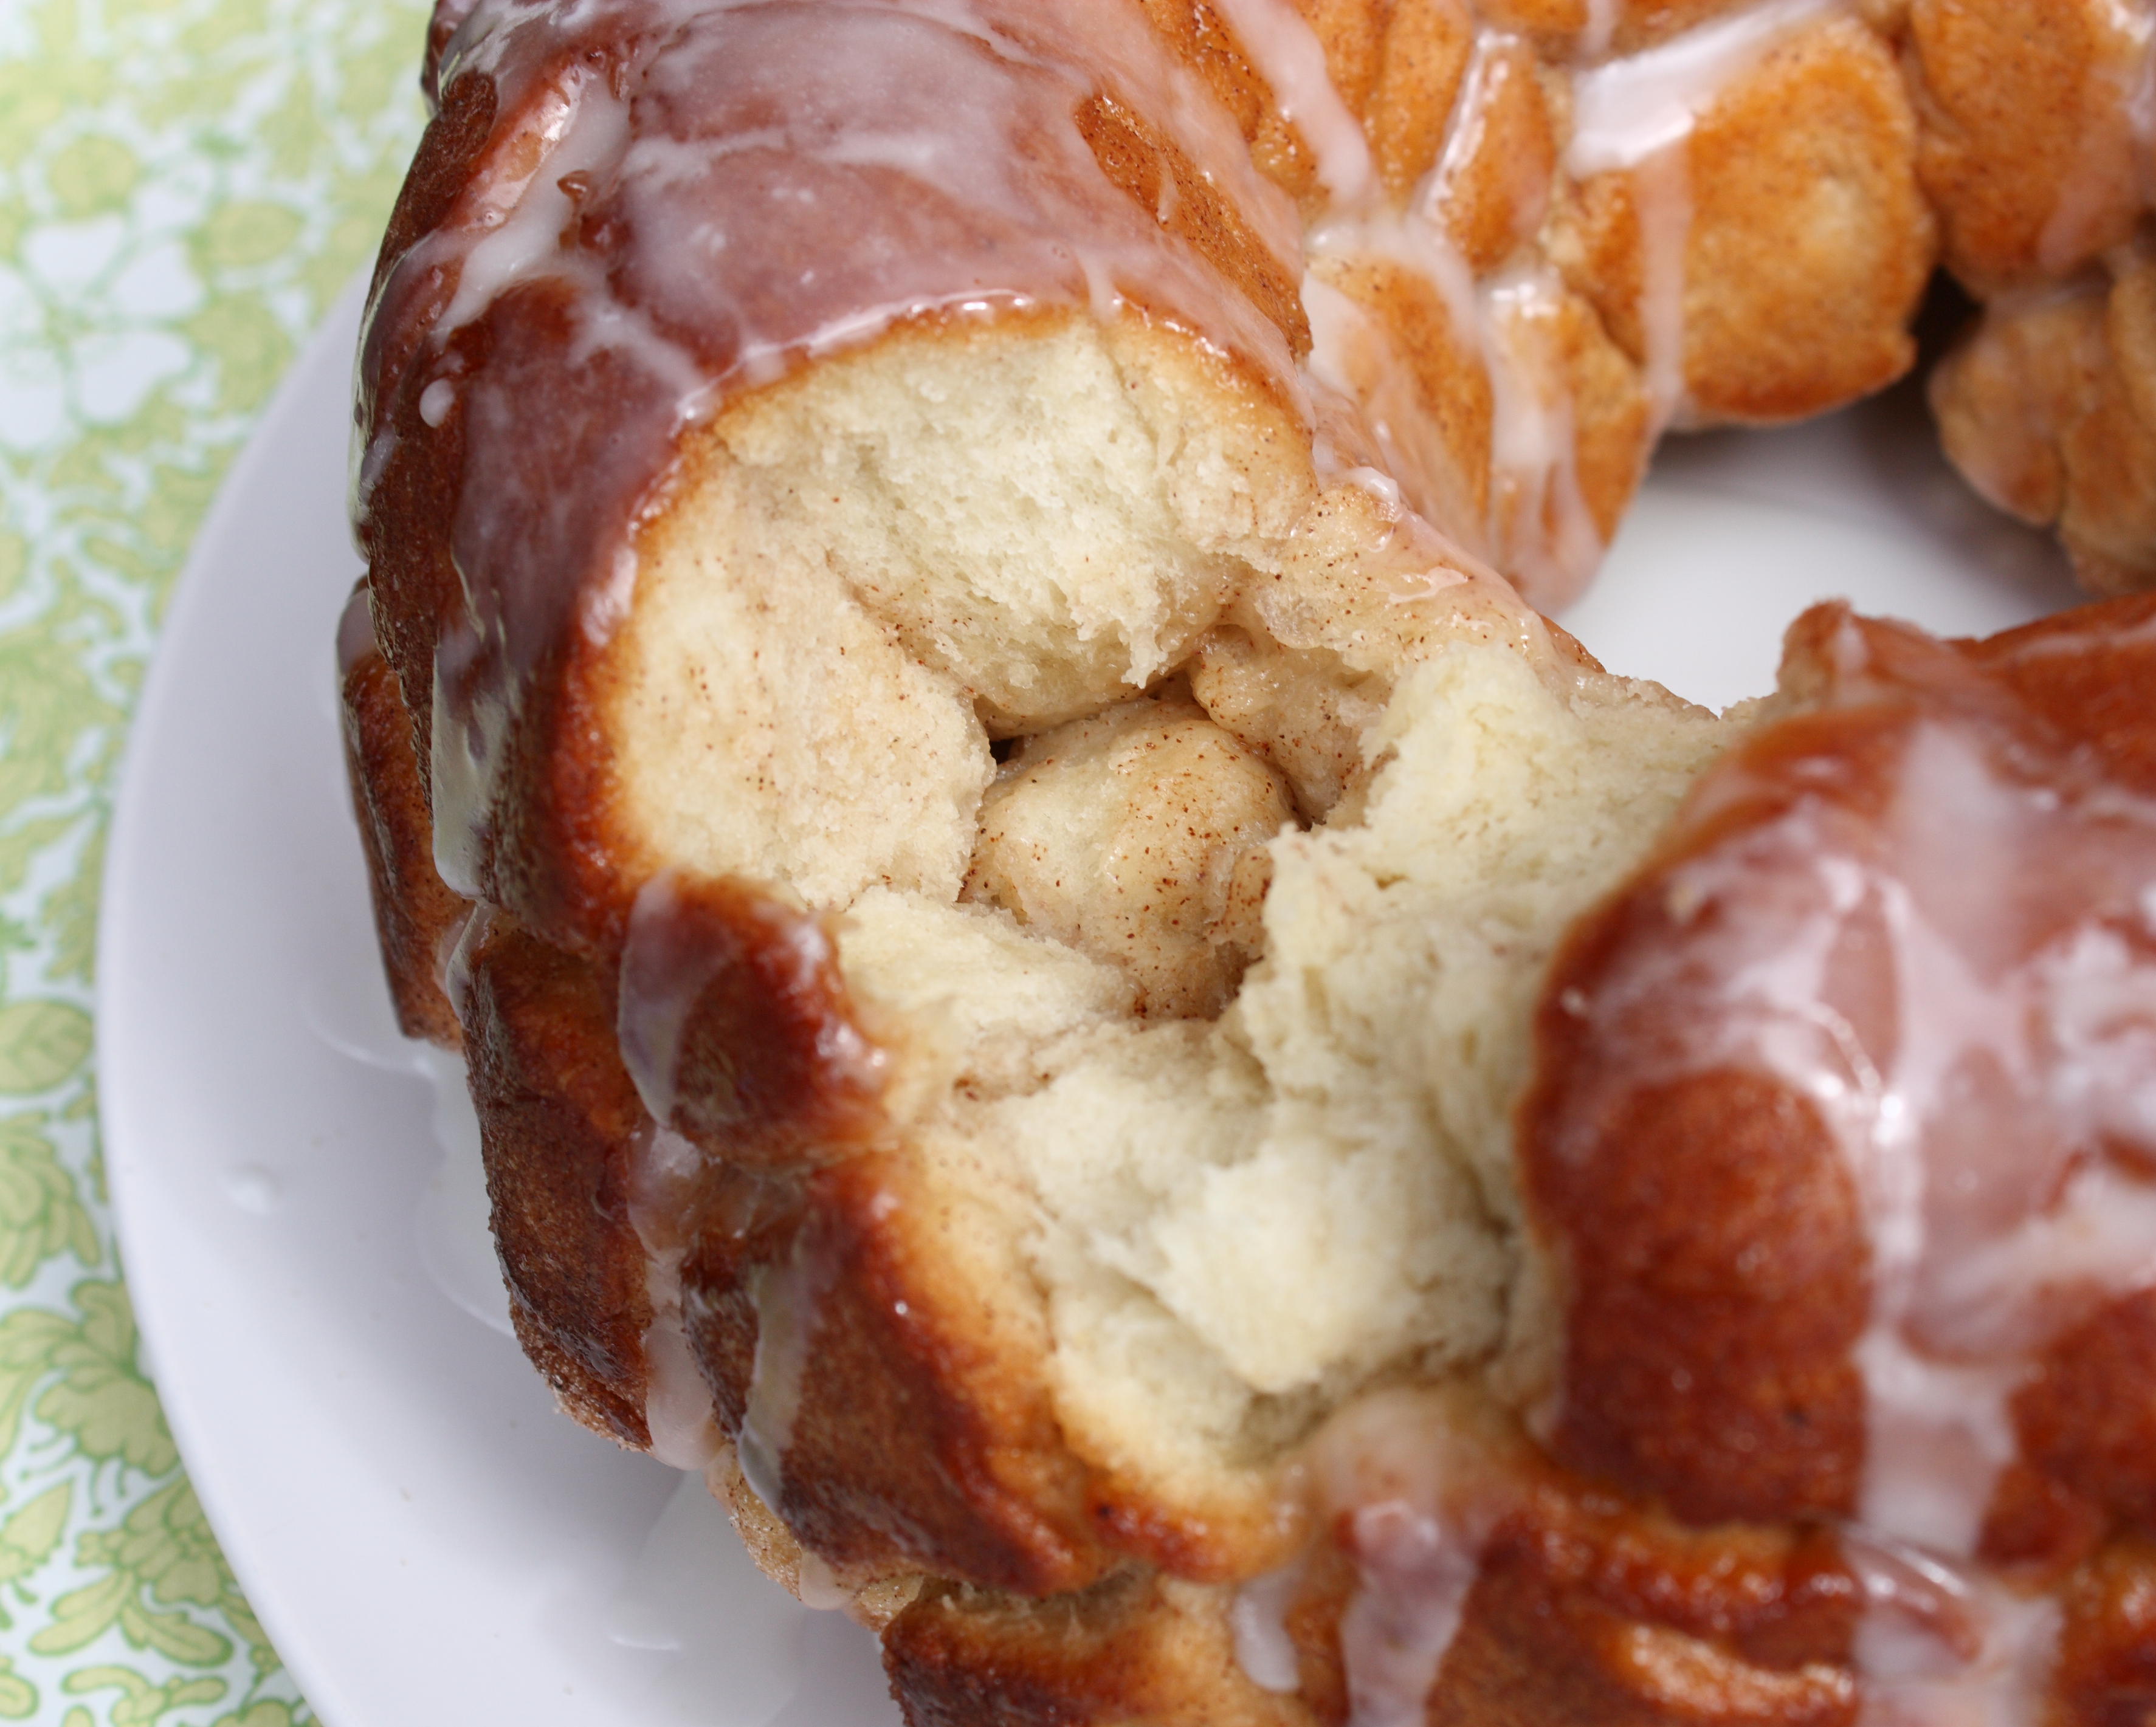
1939	1646
1379	484
664	1169
673	953
1961	983
788	1298
677	1404
513	232
1937	1430
678	1410
659	986
1370	417
1289	56
584	131
1418	1495
1635	115
1661	197
1466	133
1417	1571
460	769
355	638
896	102
894	93
1264	1650
436	400
460	942
1625	110
817	1584
638	186
1545	533
1538	527
1937	1436
455	1244
1601	27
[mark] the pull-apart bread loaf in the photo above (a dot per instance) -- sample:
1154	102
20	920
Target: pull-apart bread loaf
1190	1111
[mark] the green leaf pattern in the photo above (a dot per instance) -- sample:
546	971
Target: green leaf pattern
41	1043
184	184
40	1213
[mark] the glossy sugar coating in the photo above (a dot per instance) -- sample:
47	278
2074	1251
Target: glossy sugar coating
1843	1138
996	833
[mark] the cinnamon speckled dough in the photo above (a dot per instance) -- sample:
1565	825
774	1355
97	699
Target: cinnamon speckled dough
1138	837
1809	241
2031	149
2049	406
2036	151
1793	240
951	736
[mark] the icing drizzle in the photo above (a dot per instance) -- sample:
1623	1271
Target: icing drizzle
1924	908
681	201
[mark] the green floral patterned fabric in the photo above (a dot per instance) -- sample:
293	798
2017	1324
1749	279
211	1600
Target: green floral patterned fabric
184	186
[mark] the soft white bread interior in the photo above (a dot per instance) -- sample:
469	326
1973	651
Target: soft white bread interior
866	574
1211	998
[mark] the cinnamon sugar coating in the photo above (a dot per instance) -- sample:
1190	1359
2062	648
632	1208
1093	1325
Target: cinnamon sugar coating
557	1119
2048	405
416	917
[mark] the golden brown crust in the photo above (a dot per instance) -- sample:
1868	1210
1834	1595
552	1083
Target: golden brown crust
922	1436
2028	145
415	916
1715	1259
1446	367
2048	406
2107	1645
1716	1255
1808	244
751	1027
1199	36
409	578
2088	1418
1424	59
552	853
557	1119
1584	1618
1560	27
1613	415
1493	195
908	1338
1584	1612
2007	392
2095	687
1135	1648
1149	169
2035	152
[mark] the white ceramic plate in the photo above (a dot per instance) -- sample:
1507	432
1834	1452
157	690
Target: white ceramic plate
430	1544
